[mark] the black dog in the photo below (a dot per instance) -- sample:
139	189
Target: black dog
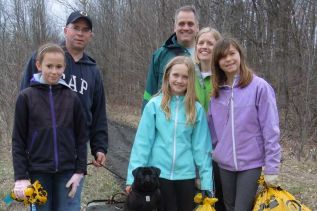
145	194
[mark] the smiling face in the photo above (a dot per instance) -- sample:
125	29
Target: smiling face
52	67
186	28
178	79
230	62
204	46
78	35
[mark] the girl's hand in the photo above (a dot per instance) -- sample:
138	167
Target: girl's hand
207	193
73	183
128	189
19	187
271	180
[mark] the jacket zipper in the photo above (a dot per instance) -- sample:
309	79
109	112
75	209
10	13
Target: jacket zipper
232	128
174	138
54	128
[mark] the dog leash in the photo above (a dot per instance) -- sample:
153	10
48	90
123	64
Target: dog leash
111	171
111	200
108	204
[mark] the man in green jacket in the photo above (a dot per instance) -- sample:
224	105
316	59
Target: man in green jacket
181	42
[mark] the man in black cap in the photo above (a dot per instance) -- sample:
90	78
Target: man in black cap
83	77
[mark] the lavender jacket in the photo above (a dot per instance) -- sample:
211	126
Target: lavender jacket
244	125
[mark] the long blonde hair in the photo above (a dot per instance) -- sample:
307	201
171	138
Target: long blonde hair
219	78
190	96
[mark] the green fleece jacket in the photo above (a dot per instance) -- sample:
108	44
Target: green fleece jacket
203	88
160	58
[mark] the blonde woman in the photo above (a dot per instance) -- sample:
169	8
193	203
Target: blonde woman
205	41
173	136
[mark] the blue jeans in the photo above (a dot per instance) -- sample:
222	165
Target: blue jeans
57	193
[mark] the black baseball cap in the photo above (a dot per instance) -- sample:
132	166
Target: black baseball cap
74	16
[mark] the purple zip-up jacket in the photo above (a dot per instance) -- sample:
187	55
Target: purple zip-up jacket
244	126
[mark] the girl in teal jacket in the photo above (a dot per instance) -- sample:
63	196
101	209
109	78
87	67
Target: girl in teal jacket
173	136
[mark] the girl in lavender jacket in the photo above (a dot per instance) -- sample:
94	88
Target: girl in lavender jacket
243	120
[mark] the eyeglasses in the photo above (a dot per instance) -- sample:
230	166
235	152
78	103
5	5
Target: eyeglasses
78	29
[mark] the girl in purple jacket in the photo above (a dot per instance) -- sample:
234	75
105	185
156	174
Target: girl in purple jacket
244	123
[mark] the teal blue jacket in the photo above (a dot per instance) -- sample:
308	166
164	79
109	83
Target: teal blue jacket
160	58
172	145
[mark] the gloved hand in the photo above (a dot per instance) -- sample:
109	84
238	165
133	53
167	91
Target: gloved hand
73	183
271	179
19	187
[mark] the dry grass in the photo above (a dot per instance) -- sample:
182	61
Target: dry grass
124	114
99	184
299	178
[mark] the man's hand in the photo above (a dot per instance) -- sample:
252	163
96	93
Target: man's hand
73	183
100	159
19	187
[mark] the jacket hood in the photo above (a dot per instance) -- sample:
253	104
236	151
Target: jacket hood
84	60
171	42
37	79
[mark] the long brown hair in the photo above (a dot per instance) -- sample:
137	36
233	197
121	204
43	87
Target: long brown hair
219	78
190	96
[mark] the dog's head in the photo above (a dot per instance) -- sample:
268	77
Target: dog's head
146	179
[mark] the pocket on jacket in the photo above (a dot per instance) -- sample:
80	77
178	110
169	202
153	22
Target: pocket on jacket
67	145
223	154
250	151
41	147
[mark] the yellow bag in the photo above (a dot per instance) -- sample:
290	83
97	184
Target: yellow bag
276	199
205	204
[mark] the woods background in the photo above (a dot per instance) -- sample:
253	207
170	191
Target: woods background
279	36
